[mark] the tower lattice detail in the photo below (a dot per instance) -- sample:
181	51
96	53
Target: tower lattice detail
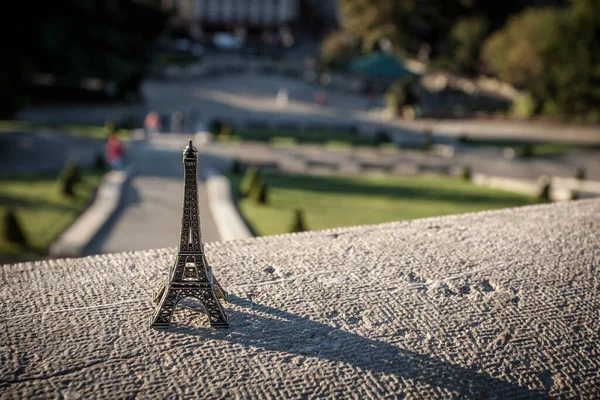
190	275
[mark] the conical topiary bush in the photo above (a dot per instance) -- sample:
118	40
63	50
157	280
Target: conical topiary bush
12	229
236	167
69	178
298	224
544	188
99	162
250	177
466	173
259	193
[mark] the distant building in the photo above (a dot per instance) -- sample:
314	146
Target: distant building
250	14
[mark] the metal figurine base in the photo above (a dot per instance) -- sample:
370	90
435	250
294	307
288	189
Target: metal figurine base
190	275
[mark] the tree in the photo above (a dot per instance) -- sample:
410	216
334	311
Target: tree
338	49
553	54
71	40
517	52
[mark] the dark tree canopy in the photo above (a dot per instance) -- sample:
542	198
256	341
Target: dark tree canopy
76	39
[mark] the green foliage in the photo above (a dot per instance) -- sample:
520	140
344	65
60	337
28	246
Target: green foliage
69	178
544	189
259	191
465	173
427	140
526	150
12	231
338	49
466	38
99	162
517	52
72	40
298	224
215	126
580	173
110	127
382	137
226	131
236	167
524	106
401	93
249	181
554	55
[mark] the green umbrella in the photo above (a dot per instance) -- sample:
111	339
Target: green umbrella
381	66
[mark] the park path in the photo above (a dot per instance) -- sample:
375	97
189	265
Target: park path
150	215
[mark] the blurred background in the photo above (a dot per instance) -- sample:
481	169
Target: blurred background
320	114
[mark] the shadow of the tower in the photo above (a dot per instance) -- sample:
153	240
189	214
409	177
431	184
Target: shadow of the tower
277	330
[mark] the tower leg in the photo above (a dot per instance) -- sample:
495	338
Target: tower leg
216	314
164	310
220	291
172	295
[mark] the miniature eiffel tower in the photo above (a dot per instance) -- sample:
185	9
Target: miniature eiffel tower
190	275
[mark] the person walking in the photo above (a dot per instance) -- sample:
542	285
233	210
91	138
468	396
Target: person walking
115	151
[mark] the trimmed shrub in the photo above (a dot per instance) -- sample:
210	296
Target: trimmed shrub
427	140
69	178
401	93
382	137
526	151
99	162
544	191
259	192
12	229
215	126
236	167
580	173
298	224
226	131
466	173
249	180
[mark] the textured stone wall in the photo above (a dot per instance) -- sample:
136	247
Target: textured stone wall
499	304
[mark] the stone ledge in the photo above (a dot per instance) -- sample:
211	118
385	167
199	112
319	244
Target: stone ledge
498	304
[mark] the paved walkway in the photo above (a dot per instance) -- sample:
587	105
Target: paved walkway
244	96
150	216
45	150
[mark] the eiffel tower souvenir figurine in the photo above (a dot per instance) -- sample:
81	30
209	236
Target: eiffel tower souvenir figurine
190	275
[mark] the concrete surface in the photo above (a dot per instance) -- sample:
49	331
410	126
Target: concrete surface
499	304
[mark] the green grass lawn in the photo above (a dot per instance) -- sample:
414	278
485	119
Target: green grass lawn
41	209
89	131
331	202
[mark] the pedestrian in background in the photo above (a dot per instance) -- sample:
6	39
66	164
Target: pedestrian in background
115	151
